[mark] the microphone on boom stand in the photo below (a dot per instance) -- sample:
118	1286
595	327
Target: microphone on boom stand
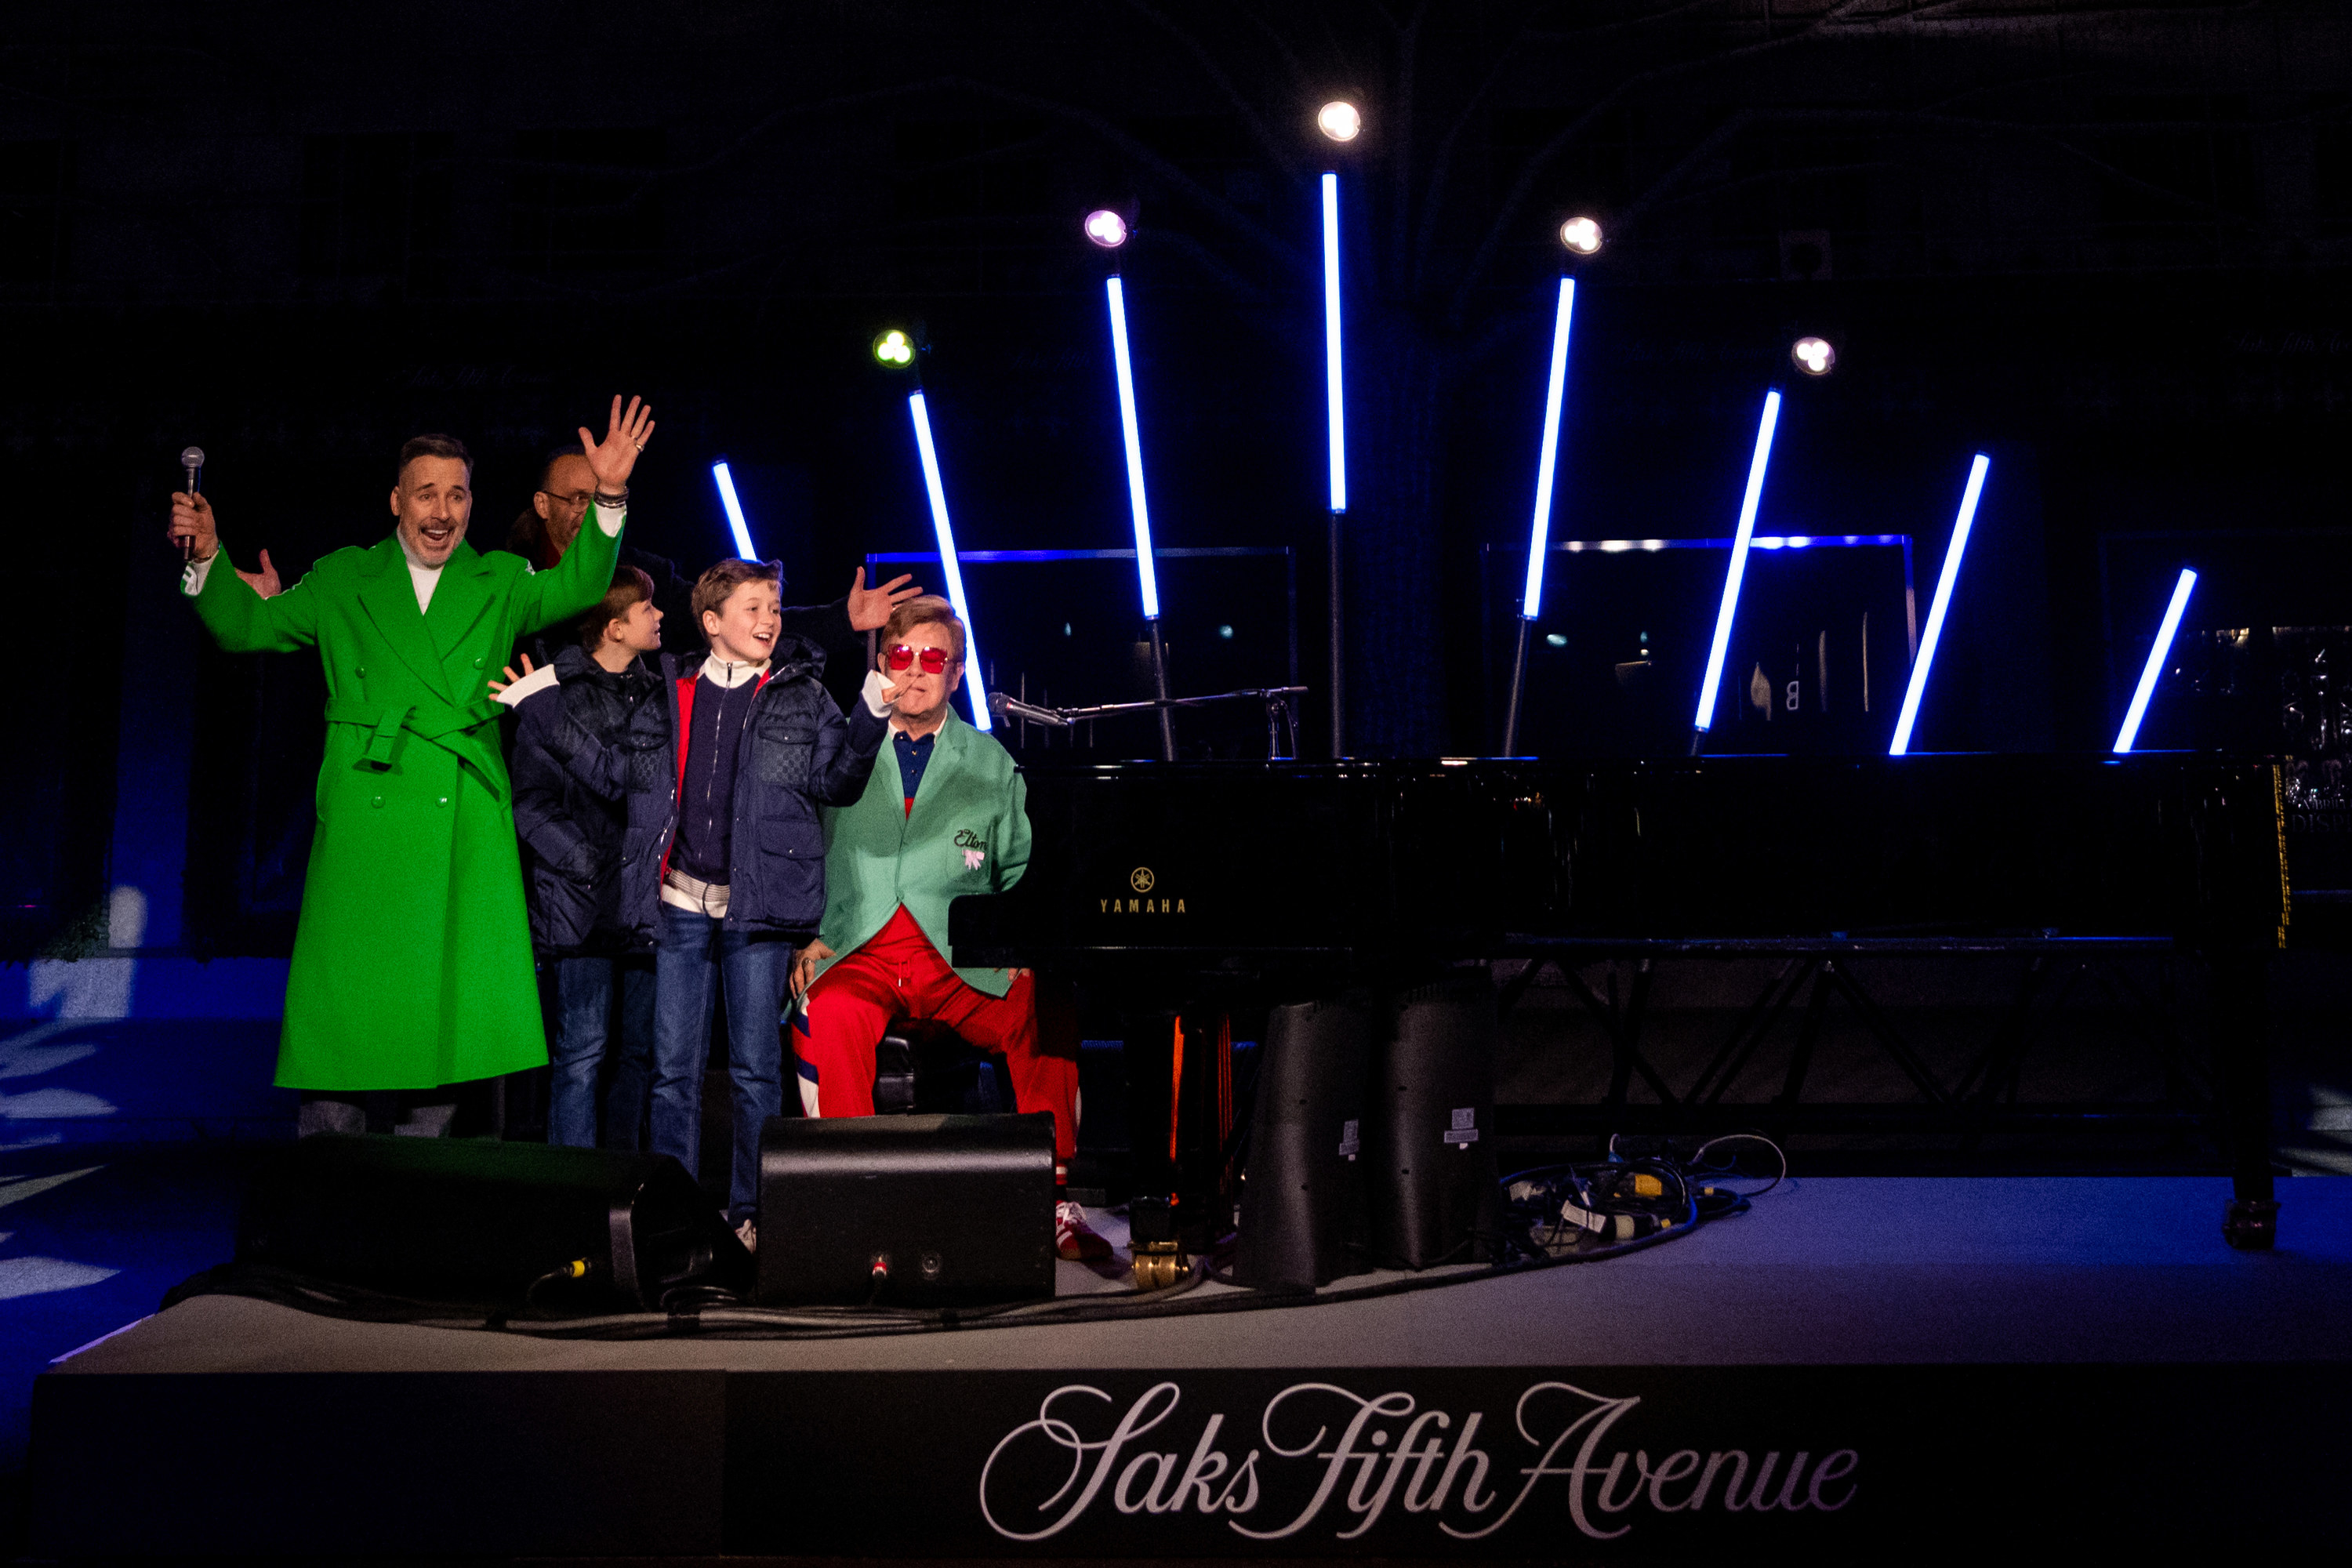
193	459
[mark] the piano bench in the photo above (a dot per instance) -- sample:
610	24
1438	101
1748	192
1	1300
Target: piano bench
929	1067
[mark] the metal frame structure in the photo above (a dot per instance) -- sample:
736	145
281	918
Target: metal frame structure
1984	1098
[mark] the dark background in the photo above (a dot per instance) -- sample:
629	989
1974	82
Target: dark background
2105	245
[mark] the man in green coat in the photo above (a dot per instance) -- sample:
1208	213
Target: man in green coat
411	966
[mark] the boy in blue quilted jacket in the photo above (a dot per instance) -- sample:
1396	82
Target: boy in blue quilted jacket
722	857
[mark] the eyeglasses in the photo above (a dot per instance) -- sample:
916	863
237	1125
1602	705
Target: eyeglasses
577	503
935	659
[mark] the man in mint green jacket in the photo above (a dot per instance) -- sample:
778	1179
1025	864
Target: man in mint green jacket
949	818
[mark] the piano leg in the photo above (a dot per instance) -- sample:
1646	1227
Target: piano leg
1180	1109
1154	1066
2242	1045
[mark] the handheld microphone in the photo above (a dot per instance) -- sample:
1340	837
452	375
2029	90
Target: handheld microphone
192	458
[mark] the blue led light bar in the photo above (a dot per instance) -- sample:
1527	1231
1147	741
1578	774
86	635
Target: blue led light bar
975	678
1738	568
1951	575
1540	530
2155	666
734	510
1146	574
1761	541
1332	396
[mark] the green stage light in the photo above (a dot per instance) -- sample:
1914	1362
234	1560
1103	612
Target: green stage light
894	350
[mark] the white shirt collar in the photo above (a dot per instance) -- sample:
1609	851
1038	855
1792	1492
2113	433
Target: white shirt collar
409	554
727	676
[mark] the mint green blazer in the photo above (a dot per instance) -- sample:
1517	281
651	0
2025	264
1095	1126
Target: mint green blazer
968	833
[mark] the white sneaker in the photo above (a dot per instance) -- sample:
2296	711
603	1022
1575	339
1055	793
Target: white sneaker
1074	1239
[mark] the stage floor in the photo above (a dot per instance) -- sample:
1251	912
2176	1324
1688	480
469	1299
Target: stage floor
1853	1270
1995	1345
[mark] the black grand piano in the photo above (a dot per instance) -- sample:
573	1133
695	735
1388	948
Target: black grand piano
1209	889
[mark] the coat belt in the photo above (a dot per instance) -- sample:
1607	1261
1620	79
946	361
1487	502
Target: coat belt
437	722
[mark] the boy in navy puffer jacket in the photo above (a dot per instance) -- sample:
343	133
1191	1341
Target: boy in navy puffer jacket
722	857
571	842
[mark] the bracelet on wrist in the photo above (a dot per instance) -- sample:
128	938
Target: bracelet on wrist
613	502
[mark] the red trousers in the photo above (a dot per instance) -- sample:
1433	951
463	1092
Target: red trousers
900	975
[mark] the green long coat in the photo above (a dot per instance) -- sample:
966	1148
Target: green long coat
412	959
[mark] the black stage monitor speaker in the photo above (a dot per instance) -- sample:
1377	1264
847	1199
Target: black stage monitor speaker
467	1220
1302	1221
1431	1134
953	1211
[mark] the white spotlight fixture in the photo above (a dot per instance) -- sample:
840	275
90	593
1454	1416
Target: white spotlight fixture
1105	228
975	678
1814	356
1339	120
1146	570
1950	574
1757	463
2156	657
726	480
1581	234
1540	529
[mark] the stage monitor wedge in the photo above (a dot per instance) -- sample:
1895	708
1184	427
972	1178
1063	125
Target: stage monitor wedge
949	1211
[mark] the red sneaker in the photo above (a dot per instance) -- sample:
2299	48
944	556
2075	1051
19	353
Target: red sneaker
1073	1238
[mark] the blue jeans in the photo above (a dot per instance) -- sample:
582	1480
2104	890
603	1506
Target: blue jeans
693	948
583	1044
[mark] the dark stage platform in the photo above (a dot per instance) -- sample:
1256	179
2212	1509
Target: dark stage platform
1857	1367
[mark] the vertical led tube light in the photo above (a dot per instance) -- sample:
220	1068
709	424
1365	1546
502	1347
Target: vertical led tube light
1951	575
1539	530
727	499
1738	568
2155	666
975	681
1334	401
1147	572
1336	414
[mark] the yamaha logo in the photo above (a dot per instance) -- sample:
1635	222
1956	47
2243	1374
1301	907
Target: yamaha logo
1142	881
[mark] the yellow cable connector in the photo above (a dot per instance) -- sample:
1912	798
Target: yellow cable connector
1648	1186
575	1269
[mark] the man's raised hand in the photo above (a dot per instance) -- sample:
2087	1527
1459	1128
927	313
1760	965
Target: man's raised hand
625	436
192	519
263	582
869	608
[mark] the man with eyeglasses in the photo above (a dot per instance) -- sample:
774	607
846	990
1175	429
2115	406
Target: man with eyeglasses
952	818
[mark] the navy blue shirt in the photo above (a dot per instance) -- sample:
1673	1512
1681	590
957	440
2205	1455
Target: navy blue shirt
706	817
914	756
